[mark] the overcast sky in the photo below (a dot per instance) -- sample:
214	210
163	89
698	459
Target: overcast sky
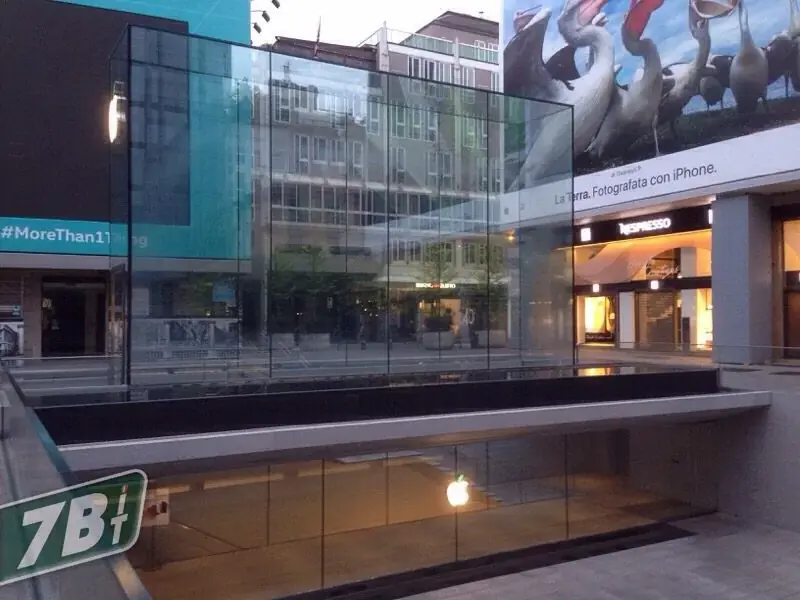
352	21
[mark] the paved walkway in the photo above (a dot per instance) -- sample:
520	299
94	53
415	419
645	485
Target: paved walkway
727	560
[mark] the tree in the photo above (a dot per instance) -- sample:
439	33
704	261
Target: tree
497	285
437	266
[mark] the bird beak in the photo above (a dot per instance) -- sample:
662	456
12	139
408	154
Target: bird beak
712	9
585	10
638	15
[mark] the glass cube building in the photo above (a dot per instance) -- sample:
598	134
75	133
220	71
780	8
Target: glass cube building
308	214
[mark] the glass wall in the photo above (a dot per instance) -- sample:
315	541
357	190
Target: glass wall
275	530
339	220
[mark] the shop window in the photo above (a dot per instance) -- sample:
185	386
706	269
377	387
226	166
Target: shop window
599	315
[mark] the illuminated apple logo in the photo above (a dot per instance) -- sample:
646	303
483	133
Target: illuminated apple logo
458	492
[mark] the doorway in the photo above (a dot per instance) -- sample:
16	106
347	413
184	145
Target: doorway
792	325
73	317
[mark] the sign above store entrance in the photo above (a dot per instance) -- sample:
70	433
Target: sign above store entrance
648	226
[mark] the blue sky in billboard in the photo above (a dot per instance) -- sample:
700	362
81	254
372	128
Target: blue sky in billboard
713	85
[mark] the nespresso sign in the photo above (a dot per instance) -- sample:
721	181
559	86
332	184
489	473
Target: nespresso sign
651	225
695	218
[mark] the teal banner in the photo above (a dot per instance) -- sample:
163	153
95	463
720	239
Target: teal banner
53	236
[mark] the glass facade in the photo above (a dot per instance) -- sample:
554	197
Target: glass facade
335	218
286	528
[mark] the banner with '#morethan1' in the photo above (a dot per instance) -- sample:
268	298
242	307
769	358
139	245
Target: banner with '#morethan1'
669	96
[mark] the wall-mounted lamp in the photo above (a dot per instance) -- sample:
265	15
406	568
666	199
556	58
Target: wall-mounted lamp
655	284
116	111
710	216
585	234
595	288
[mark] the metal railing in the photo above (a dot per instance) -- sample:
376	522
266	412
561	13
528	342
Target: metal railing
437	45
31	464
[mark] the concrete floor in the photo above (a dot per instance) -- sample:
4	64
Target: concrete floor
727	560
229	544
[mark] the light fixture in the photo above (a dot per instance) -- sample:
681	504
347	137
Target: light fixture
586	234
655	284
458	492
595	288
710	216
116	111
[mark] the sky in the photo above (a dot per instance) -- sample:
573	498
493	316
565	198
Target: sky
353	21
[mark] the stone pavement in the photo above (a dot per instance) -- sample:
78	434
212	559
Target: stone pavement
727	560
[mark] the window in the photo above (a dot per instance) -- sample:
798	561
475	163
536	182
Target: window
413	251
397	114
320	150
282	104
414	66
440	170
469	253
322	102
397	158
301	98
416	123
374	116
469	128
356	166
398	251
495	87
301	153
439	252
495	174
432	122
336	151
433	170
481	174
483	128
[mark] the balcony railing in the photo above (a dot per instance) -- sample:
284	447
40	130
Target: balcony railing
438	45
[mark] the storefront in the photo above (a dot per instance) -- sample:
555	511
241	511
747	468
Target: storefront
645	282
790	230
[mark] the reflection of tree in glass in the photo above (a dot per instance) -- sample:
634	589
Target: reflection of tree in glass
437	266
299	287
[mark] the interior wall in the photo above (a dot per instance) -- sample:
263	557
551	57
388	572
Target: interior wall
681	462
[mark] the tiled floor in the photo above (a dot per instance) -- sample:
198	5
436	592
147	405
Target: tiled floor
727	560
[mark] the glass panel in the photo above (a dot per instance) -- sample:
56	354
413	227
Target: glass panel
535	215
618	480
293	216
518	495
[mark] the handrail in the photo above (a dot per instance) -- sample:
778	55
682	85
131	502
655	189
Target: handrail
31	464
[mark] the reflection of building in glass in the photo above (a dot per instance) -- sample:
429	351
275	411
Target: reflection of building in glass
378	216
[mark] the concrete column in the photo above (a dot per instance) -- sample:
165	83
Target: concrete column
90	323
626	320
32	315
741	257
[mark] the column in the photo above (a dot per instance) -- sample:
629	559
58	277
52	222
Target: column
689	297
741	279
626	320
32	315
90	323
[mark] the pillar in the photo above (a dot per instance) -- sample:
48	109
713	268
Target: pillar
689	297
626	320
742	279
32	315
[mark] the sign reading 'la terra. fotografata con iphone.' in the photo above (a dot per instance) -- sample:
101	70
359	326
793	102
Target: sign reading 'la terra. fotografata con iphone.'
663	103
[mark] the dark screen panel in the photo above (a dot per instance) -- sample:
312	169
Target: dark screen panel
54	154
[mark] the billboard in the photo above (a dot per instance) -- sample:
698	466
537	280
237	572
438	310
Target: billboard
669	96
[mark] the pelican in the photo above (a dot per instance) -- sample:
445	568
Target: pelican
713	86
749	70
781	59
635	109
683	79
590	94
